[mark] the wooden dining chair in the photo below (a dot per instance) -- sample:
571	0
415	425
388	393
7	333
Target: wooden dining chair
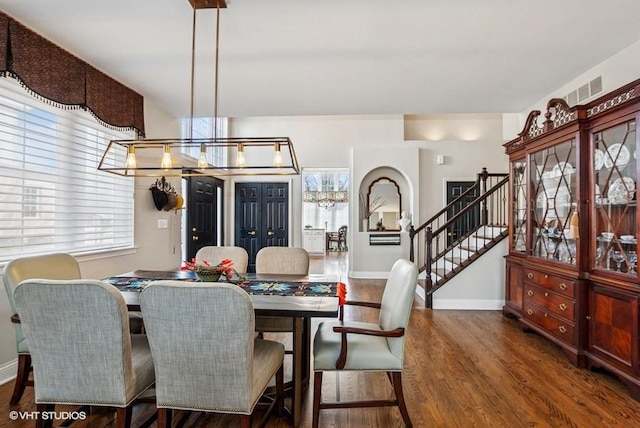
215	255
48	266
82	351
205	352
351	345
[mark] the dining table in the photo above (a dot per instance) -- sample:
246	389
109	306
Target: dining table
300	297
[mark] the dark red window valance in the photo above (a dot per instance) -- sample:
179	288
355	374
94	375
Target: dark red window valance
58	77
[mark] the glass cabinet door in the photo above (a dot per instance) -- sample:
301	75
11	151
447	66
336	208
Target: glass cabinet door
615	199
519	204
553	205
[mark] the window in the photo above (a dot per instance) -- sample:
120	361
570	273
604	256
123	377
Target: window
203	127
52	196
326	198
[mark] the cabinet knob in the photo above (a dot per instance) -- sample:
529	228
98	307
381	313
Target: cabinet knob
562	286
546	294
194	238
529	311
270	233
529	275
562	306
529	293
588	317
251	233
562	329
546	276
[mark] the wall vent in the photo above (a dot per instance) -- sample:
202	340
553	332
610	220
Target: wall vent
584	92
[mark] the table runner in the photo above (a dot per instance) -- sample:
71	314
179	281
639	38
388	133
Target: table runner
251	286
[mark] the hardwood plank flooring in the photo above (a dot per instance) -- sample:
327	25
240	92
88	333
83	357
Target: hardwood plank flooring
462	369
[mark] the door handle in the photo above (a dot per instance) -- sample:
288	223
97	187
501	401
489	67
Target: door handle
251	233
270	233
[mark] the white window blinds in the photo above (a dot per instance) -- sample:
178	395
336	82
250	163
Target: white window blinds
52	197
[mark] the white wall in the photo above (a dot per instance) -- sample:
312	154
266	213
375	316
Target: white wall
616	71
319	142
363	143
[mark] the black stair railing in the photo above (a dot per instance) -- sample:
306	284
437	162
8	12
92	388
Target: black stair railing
442	255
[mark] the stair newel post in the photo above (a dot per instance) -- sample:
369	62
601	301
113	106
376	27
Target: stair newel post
412	234
428	256
484	220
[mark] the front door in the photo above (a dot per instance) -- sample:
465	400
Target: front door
471	219
204	214
262	217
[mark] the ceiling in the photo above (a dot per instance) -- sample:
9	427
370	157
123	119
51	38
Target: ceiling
330	57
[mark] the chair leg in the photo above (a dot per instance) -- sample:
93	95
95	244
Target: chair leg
317	394
22	378
164	418
397	387
245	421
280	391
123	417
40	421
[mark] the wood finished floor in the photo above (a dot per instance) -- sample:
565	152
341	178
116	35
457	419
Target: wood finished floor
463	369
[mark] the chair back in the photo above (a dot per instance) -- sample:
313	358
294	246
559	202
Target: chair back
78	334
215	255
49	266
202	341
282	260
397	300
342	231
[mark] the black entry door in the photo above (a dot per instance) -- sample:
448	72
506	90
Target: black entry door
262	220
204	214
468	221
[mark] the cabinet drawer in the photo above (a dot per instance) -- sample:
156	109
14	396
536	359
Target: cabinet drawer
554	283
560	328
550	301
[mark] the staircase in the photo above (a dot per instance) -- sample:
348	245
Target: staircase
479	216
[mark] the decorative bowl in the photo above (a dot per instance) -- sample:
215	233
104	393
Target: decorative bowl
607	235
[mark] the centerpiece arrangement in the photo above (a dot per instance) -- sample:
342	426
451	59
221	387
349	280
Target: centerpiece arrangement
208	272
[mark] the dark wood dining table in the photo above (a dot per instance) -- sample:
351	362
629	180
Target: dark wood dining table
296	304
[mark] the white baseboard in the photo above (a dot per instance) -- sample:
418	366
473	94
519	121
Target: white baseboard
368	275
470	304
8	371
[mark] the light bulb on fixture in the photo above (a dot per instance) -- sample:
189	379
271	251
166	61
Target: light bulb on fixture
166	158
131	157
241	161
277	156
202	160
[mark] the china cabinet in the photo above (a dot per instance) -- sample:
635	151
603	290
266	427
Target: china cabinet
571	271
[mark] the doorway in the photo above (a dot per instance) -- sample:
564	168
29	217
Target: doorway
469	221
204	218
261	217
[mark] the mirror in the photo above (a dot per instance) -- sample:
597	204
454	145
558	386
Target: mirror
383	201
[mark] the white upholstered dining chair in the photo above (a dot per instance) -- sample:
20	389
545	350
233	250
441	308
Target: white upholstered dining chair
48	266
283	261
82	351
205	352
215	255
351	345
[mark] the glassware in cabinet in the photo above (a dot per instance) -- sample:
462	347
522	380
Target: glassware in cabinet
554	195
519	205
614	196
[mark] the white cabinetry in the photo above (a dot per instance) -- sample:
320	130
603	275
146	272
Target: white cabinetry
313	240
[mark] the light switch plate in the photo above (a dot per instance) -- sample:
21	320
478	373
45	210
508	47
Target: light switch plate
163	223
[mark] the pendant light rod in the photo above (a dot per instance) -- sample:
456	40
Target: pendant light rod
215	85
193	72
